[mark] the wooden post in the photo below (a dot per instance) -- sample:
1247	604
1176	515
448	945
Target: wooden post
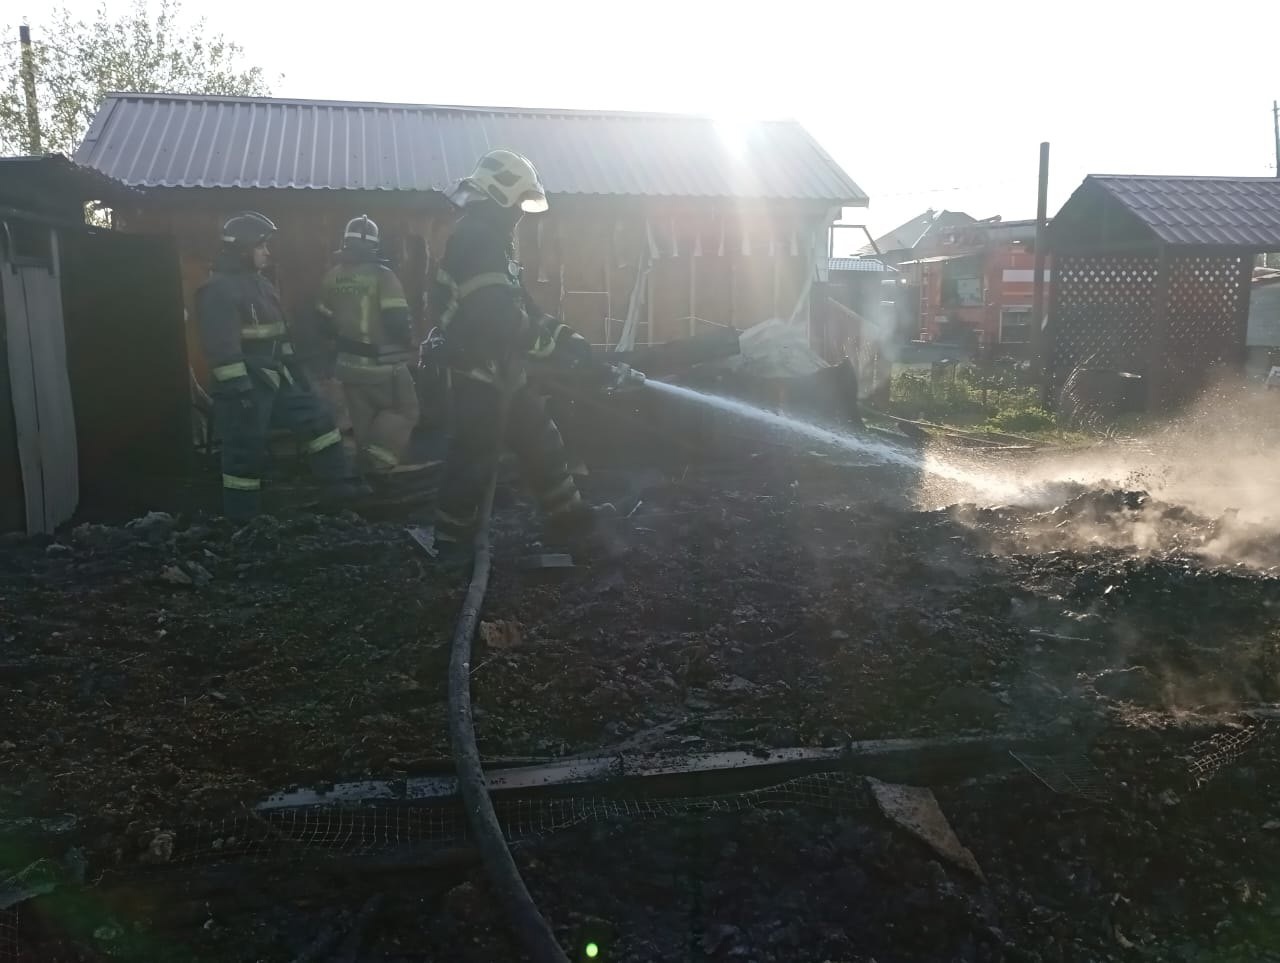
1157	390
608	289
1039	339
1275	119
733	294
693	295
29	90
1239	353
649	286
777	284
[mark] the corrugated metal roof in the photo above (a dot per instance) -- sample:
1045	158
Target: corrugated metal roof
865	264
1217	211
171	140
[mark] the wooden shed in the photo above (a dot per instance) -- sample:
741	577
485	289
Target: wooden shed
94	386
659	224
1151	284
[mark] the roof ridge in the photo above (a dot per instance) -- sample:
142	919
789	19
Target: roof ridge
461	108
1251	178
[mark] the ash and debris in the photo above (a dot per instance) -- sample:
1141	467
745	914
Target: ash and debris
180	669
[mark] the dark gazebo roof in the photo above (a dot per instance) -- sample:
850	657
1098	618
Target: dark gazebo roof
1136	210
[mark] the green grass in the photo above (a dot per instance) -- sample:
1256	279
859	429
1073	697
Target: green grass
995	401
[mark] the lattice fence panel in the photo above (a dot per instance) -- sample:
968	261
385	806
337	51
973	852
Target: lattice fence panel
1206	295
1104	311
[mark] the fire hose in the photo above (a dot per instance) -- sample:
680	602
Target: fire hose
528	924
530	928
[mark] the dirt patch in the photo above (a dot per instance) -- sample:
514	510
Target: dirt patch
181	670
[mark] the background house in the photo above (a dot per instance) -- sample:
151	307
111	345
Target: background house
659	224
930	234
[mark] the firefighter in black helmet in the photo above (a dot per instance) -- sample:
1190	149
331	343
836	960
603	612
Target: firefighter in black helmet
490	324
257	383
363	308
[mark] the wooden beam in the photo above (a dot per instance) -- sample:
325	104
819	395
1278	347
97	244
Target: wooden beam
693	295
733	293
1239	353
1157	348
649	284
608	286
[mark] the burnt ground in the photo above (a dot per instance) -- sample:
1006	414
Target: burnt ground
177	671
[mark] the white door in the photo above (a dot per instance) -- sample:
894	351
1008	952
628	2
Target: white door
39	384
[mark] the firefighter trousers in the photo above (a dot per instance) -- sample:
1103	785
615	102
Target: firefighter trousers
245	420
474	448
384	410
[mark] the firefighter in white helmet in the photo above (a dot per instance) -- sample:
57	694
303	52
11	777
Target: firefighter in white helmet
490	324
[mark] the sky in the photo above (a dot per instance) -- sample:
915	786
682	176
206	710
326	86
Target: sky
927	104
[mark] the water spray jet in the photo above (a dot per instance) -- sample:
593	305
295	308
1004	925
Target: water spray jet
878	451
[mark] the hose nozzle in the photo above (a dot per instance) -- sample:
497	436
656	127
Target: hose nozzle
623	377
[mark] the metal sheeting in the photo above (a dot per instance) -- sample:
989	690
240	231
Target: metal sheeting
40	389
1242	212
859	264
908	236
169	140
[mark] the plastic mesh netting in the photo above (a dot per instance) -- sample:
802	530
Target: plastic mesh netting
288	834
285	833
38	878
1210	756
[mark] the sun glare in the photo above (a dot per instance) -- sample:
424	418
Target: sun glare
734	130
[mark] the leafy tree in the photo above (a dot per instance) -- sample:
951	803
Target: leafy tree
78	63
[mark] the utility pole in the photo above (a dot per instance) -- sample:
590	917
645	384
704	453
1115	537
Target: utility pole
29	88
1275	119
1039	335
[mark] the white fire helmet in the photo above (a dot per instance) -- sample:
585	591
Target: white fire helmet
505	177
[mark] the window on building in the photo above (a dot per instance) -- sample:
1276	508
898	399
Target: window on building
962	292
1015	326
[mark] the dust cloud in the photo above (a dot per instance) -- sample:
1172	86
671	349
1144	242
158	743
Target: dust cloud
1206	484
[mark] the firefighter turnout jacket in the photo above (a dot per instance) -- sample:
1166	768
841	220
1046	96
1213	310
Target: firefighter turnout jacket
480	304
242	327
256	384
363	307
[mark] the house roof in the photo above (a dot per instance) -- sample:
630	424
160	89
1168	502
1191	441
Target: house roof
906	236
51	184
1239	212
173	140
942	258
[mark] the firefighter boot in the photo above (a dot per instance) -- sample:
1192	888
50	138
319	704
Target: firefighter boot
579	529
346	490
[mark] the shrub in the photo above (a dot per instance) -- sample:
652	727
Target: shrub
1021	420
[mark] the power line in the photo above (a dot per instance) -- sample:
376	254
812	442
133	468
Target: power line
940	190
